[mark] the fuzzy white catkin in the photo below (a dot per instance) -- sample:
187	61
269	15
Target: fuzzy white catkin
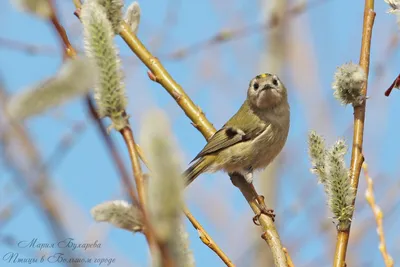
394	9
179	248
394	6
132	16
348	82
99	46
113	10
165	186
120	214
40	8
75	78
317	152
340	192
331	169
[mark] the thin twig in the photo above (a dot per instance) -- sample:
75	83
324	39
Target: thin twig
113	151
357	158
68	50
289	259
234	34
206	128
141	155
270	234
31	49
206	238
77	3
137	170
369	196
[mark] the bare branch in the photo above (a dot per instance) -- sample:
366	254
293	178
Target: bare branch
369	196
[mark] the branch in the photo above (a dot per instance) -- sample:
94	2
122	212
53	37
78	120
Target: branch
206	238
289	259
229	35
137	170
369	196
357	158
113	151
68	50
270	234
31	49
160	75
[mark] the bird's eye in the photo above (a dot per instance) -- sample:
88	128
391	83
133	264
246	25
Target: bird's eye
255	86
275	81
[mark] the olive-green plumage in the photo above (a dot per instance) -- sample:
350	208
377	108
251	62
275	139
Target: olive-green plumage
253	137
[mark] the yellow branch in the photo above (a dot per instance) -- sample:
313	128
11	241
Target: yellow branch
358	134
164	79
206	238
369	196
289	259
136	169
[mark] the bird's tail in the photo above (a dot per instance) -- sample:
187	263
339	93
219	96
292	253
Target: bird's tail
197	168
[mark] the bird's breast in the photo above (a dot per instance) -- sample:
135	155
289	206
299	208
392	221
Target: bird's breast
268	145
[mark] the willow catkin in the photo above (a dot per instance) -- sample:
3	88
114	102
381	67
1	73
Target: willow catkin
99	45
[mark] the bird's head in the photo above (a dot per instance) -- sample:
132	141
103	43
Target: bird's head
266	91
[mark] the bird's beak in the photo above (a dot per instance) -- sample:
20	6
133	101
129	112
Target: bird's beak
267	87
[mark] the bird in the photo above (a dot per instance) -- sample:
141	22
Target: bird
253	137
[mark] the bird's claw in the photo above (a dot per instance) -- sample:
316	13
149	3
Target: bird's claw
263	210
269	212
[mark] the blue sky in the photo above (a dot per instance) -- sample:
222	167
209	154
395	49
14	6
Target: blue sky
216	78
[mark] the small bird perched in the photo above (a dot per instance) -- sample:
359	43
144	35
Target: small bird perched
253	137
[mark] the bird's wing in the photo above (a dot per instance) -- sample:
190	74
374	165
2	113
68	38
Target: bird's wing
236	130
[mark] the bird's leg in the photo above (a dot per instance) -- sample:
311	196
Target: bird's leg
247	173
263	210
261	205
248	177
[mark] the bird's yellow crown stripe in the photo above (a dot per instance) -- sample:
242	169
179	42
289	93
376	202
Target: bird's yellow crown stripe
264	75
